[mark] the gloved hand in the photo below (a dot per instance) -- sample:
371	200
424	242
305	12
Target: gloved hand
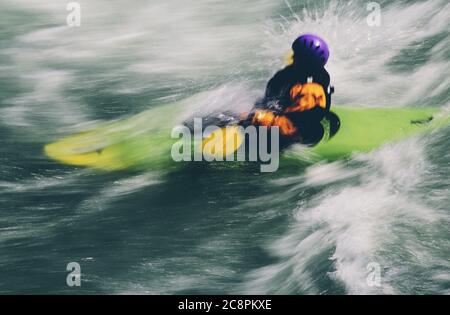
285	124
269	119
263	118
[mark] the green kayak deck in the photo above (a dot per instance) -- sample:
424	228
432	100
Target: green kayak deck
144	141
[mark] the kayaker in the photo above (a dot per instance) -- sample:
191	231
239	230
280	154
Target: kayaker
298	97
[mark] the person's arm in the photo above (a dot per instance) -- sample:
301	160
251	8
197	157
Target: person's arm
266	107
272	95
268	111
267	118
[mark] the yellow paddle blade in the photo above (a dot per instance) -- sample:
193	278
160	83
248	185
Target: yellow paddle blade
83	150
222	142
289	58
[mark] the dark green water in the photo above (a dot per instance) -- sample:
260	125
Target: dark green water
218	229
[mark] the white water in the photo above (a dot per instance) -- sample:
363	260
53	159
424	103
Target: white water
375	213
389	207
379	212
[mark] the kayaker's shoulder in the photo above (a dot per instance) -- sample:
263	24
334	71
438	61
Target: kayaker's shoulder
284	73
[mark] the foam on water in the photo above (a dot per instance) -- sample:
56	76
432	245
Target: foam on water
378	212
372	217
151	48
388	207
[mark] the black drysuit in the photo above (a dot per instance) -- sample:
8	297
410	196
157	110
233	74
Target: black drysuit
277	98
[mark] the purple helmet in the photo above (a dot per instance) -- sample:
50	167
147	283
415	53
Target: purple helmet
312	48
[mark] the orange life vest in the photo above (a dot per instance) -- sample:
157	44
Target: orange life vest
306	96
